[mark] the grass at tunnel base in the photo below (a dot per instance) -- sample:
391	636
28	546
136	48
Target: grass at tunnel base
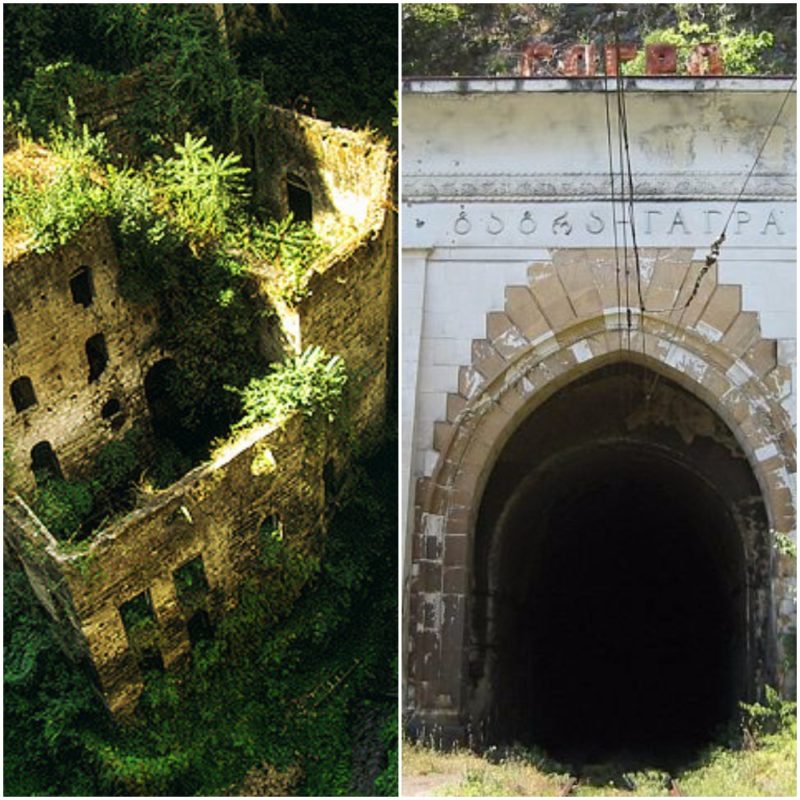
767	771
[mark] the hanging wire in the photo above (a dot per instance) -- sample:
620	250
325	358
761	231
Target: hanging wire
613	198
622	197
712	257
758	157
632	211
713	252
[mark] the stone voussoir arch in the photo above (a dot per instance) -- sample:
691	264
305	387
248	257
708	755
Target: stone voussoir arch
567	321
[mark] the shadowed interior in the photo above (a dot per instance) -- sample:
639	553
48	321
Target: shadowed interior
610	597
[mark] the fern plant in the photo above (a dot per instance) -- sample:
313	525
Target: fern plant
201	191
312	383
291	248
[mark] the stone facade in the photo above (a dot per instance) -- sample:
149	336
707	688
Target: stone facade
277	474
52	330
511	296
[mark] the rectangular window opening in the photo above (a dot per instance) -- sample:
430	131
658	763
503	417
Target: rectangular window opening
80	285
9	328
191	583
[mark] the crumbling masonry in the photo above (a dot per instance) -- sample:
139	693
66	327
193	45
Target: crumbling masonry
77	358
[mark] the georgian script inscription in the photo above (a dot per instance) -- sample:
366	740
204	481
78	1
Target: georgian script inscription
673	222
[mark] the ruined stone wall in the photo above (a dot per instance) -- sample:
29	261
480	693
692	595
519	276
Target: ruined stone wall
215	512
346	171
52	331
348	311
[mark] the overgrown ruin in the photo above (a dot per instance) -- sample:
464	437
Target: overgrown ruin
82	368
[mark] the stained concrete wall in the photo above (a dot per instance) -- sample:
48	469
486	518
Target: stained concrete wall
50	349
509	282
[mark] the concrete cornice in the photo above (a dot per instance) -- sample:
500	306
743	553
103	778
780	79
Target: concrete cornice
554	187
663	83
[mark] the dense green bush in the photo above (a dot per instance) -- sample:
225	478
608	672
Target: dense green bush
291	249
313	383
741	51
63	506
49	210
69	508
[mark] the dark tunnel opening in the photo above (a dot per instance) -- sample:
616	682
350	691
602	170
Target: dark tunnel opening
630	635
610	600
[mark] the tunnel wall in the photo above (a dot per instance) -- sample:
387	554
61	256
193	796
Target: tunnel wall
560	325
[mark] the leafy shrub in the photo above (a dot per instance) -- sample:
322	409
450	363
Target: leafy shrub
312	383
168	463
741	51
50	207
773	715
201	193
45	100
118	461
63	506
291	249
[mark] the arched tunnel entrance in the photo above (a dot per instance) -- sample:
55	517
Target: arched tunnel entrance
621	574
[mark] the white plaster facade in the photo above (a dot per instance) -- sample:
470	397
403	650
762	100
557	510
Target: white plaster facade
498	174
524	165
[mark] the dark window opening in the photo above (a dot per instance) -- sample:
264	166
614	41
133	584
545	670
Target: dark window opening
80	284
270	539
271	526
165	413
329	480
22	394
97	355
199	627
137	611
191	583
150	660
110	408
141	627
299	199
9	328
44	462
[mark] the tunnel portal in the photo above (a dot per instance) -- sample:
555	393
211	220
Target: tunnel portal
620	550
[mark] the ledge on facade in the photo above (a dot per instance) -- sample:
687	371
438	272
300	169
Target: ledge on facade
661	83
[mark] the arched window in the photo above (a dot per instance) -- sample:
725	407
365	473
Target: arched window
97	355
22	394
299	198
44	462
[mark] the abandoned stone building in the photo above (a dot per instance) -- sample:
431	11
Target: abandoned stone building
81	368
598	461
